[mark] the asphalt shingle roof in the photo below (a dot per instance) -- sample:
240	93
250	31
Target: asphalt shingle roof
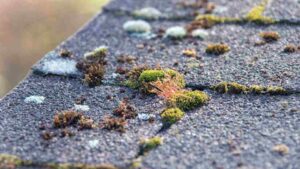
231	131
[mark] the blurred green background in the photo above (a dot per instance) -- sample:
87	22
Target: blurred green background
31	28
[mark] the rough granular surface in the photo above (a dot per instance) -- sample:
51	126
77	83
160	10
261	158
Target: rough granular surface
228	131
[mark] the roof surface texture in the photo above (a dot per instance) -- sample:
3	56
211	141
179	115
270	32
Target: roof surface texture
244	130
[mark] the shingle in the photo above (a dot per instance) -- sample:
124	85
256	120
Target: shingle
232	131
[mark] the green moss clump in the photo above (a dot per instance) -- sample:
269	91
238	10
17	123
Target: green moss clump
150	143
171	115
256	14
151	75
230	87
188	100
217	49
141	78
275	90
208	20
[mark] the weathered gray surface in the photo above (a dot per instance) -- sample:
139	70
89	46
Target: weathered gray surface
288	10
233	131
20	134
254	123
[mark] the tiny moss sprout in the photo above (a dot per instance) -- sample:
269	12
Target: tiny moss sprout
281	149
257	89
171	115
217	49
151	75
176	32
190	53
147	13
290	48
269	36
137	26
150	143
188	100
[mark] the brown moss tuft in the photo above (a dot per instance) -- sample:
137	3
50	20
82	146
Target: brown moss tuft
269	36
290	48
125	110
86	123
94	74
66	118
93	66
217	49
113	123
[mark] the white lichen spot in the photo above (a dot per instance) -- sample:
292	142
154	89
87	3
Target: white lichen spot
60	67
145	117
79	107
54	64
34	99
137	26
176	32
147	35
93	143
200	33
148	13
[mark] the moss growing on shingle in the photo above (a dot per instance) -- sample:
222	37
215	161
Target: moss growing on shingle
217	49
230	87
256	14
171	115
275	90
66	118
257	89
188	100
151	75
269	36
150	143
236	88
208	20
